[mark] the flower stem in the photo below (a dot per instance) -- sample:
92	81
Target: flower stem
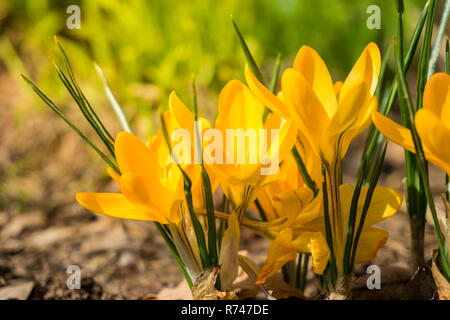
417	242
337	227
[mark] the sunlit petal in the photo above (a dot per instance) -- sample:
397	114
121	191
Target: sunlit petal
435	137
370	241
280	251
267	97
436	97
311	66
314	243
113	205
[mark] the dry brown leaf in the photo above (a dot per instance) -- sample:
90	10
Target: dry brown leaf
443	286
204	286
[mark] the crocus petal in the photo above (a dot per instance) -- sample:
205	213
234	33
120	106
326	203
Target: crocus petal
370	241
281	251
314	243
268	98
238	108
393	131
113	205
113	174
183	116
293	201
351	111
366	69
435	137
337	88
360	124
436	97
385	202
402	136
305	107
311	217
284	141
150	196
311	66
133	156
270	207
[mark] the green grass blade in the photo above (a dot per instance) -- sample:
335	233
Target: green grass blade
174	252
260	210
113	101
352	216
328	233
248	56
381	77
70	124
223	223
207	190
367	201
303	172
440	36
198	230
99	124
425	55
273	83
109	145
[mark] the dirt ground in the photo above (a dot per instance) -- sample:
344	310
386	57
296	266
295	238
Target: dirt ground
43	230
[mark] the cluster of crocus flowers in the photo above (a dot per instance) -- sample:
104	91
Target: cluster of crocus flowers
275	162
328	116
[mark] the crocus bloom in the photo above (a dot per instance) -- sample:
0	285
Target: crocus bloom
432	123
151	183
148	192
248	161
307	233
241	111
187	148
329	116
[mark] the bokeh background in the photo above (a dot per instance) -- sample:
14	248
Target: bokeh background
146	49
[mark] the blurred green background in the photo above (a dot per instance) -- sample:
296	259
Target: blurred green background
148	48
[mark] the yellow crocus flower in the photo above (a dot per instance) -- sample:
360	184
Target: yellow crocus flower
245	159
150	181
180	117
148	192
432	123
330	116
307	233
152	185
241	179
